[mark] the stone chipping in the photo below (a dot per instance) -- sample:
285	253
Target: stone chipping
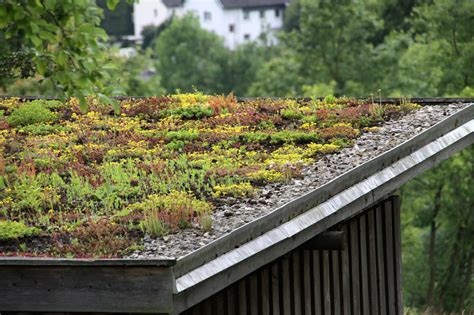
233	213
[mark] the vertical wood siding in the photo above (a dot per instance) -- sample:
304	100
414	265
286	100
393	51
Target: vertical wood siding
364	278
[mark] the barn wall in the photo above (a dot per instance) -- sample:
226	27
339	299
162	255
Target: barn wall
363	278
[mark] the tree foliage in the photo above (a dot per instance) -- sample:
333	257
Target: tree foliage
438	229
190	57
63	41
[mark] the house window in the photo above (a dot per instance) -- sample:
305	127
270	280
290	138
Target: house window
231	28
277	12
246	15
247	36
207	16
155	12
262	14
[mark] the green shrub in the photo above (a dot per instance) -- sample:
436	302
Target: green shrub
14	230
235	190
184	135
291	114
30	113
194	112
153	225
42	129
257	137
293	137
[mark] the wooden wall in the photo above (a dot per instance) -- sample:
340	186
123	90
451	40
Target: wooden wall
363	278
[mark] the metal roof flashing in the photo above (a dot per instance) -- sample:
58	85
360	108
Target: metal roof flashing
229	258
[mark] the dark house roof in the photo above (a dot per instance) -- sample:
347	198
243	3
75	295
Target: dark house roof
173	3
235	4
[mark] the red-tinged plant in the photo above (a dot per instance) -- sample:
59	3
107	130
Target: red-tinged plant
338	132
4	124
2	164
26	167
101	238
271	107
148	107
220	103
352	114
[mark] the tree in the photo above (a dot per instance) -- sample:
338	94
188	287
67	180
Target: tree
442	51
438	229
280	76
333	42
119	21
191	57
151	32
243	64
64	41
137	76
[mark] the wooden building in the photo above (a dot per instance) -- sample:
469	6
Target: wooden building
335	250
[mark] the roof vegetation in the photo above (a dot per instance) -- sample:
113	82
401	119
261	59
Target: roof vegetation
93	184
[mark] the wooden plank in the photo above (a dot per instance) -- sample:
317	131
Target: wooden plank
231	300
389	258
318	301
207	307
346	290
365	308
374	305
253	293
336	281
397	253
84	262
296	283
86	289
307	282
326	282
275	290
286	285
381	290
354	267
220	302
265	291
330	240
242	289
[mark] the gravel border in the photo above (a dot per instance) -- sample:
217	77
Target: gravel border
234	213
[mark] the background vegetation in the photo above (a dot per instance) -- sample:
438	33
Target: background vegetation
342	47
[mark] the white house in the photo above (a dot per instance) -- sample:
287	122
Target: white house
237	21
148	12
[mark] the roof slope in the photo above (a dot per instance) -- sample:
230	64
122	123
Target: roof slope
259	242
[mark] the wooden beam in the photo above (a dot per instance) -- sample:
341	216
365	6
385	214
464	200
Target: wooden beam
329	240
108	289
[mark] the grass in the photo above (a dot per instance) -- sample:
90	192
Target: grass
93	184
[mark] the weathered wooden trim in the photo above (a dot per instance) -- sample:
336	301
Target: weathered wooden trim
295	207
61	288
64	262
330	240
228	268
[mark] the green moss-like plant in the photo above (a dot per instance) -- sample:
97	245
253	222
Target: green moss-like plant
30	113
15	230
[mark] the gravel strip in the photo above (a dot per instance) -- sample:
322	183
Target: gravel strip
234	213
